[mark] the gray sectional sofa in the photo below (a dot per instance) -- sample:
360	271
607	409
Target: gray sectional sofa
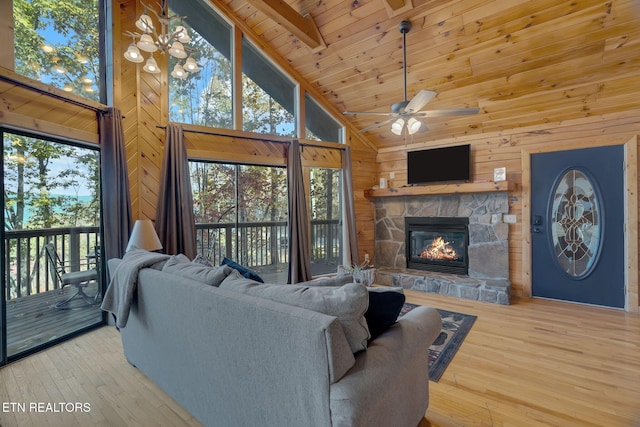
231	358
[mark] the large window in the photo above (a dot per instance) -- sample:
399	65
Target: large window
58	43
240	214
51	201
326	220
205	97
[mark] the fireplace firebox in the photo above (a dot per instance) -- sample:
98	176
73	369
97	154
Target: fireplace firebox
437	244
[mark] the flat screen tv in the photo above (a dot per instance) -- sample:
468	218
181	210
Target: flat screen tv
448	164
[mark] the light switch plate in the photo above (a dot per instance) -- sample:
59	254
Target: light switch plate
509	219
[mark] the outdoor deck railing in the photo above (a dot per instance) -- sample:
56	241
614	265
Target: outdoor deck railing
260	244
26	265
257	244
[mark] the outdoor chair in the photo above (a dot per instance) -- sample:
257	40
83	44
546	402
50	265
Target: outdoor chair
80	279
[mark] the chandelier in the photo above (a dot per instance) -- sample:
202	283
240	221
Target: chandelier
164	40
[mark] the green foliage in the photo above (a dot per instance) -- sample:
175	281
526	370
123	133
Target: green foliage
70	59
45	179
262	113
203	98
260	194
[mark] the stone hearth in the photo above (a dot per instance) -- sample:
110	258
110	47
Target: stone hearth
488	278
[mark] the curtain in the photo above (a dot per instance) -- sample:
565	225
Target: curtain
351	244
116	201
175	221
298	224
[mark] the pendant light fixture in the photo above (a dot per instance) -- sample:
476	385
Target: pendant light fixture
163	40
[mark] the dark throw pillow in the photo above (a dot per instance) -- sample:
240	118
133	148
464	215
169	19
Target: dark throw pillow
384	307
246	272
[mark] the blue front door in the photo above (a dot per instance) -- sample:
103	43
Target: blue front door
577	225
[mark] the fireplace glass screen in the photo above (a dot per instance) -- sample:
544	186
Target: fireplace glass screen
437	244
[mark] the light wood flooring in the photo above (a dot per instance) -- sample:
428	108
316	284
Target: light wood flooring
532	363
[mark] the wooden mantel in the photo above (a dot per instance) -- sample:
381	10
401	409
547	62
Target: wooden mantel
421	190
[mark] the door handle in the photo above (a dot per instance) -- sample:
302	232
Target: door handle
536	223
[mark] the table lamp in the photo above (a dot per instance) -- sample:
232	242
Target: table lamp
144	236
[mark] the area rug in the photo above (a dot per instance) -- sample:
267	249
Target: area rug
455	327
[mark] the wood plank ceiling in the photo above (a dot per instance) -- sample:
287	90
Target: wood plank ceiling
521	62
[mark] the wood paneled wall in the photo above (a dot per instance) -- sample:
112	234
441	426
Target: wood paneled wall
23	108
510	149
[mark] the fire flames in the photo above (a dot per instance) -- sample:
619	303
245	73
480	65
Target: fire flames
439	250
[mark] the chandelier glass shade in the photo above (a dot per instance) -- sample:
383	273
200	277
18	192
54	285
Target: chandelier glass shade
151	40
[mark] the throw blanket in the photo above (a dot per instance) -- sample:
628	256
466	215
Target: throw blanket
117	300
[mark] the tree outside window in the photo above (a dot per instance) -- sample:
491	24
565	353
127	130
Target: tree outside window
58	43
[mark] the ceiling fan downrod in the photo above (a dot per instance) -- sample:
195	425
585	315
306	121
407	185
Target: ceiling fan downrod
404	28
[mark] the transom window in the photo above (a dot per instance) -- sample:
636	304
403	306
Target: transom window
268	98
204	98
58	43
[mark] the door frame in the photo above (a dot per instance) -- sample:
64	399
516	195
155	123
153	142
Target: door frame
632	300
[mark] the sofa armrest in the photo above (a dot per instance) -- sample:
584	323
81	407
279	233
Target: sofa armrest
389	383
329	281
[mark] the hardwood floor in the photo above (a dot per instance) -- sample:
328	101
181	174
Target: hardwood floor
532	363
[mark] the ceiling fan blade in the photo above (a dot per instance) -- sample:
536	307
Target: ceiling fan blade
420	100
449	112
368	113
377	125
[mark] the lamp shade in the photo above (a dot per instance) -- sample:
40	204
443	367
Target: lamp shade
133	54
144	236
151	66
178	72
177	50
147	44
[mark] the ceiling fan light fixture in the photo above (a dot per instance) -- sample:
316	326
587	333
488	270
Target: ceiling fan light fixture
413	125
397	126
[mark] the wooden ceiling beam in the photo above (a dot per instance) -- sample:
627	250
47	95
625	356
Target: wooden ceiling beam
303	27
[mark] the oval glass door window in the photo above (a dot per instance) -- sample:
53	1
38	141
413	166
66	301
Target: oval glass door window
575	223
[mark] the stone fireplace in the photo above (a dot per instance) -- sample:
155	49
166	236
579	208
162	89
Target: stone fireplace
487	256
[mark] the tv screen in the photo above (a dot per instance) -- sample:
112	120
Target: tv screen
446	164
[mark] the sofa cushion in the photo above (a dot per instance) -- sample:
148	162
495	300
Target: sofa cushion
348	302
209	275
385	304
201	259
244	271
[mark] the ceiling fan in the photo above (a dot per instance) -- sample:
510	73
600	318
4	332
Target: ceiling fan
409	114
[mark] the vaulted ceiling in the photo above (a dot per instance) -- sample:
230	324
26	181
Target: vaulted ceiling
521	62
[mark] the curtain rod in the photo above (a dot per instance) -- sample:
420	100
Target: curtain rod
255	138
53	94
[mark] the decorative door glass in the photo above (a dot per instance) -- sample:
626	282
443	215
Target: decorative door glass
575	223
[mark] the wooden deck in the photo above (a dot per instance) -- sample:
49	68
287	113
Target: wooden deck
34	320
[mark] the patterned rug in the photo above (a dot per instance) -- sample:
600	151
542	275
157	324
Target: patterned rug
455	327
